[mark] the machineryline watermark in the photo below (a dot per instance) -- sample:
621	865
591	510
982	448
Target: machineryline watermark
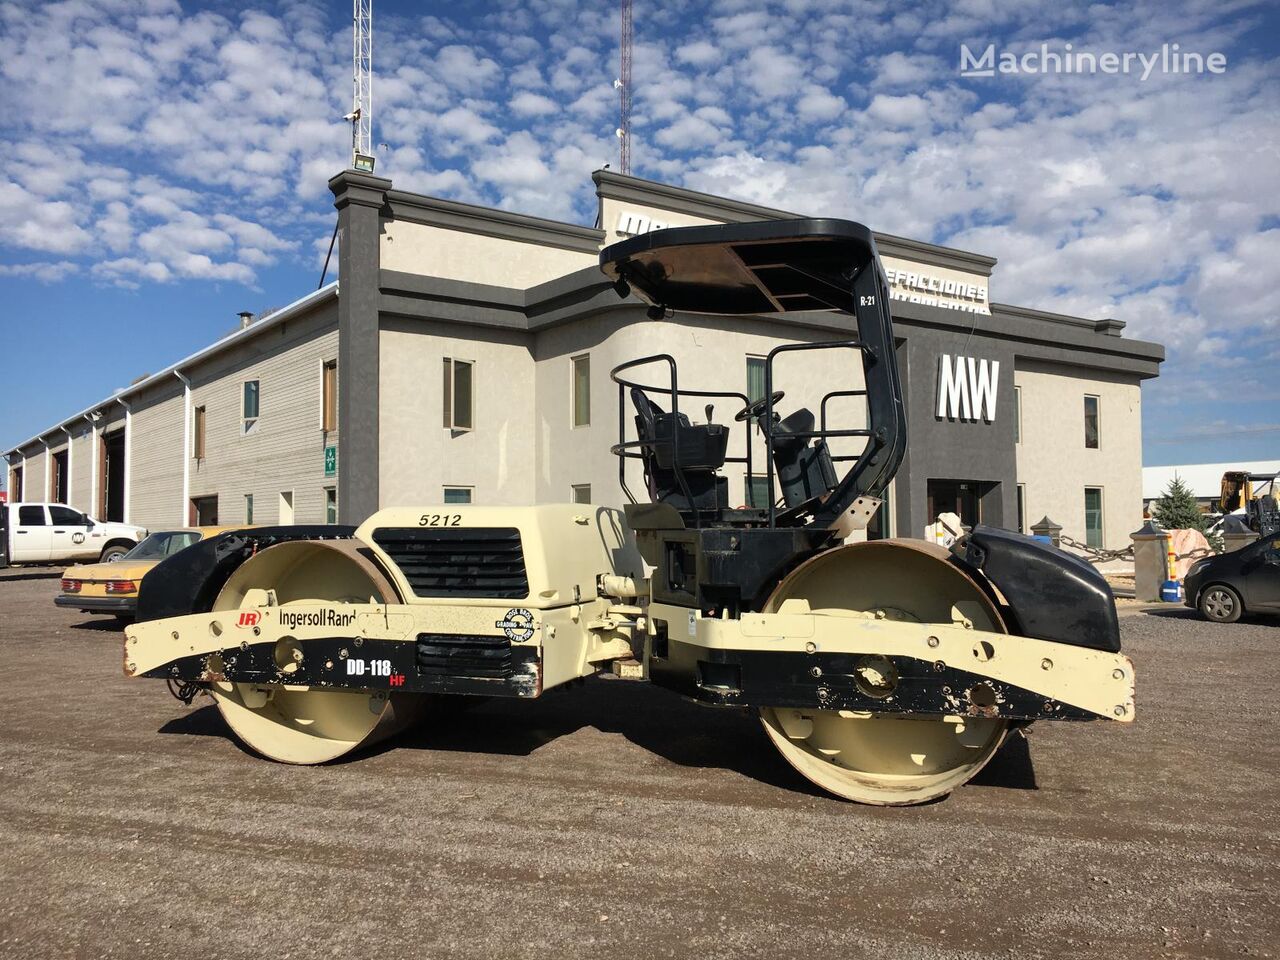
1042	60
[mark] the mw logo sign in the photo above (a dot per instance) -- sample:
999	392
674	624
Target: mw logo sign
967	388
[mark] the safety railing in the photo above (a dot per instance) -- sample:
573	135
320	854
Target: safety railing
626	449
824	432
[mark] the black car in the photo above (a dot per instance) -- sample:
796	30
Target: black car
1224	587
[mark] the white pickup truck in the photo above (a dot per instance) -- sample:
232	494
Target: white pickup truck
54	533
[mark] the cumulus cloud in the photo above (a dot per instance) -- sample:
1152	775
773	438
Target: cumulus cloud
45	271
528	104
700	53
164	144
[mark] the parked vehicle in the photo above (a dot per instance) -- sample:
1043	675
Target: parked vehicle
1251	497
56	533
112	587
1225	587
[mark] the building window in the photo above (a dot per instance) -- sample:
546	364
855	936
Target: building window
197	433
286	507
1022	508
581	390
248	508
458	394
755	379
1093	534
1092	423
1017	414
329	396
249	406
757	489
457	494
581	492
330	505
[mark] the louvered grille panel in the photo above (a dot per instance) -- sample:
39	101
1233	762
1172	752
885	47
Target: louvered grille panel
458	561
460	655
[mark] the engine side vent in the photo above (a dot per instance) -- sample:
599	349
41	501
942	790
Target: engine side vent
458	561
461	655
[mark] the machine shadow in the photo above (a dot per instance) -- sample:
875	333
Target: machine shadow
667	726
98	625
31	575
1010	768
202	722
1174	613
662	724
677	730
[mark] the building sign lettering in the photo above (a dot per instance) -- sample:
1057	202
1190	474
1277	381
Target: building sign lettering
907	282
918	287
967	388
632	224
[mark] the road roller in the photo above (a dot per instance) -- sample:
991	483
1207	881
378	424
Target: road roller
883	671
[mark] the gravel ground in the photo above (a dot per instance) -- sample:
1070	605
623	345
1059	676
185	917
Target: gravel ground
618	820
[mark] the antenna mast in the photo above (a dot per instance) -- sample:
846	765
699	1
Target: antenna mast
361	115
624	90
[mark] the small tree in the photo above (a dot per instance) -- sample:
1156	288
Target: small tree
1177	510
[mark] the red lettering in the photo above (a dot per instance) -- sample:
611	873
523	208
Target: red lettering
397	680
250	618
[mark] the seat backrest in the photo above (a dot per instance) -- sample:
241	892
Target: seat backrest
805	470
702	452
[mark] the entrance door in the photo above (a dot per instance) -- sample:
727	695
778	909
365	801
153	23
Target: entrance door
961	497
112	508
286	507
58	488
204	511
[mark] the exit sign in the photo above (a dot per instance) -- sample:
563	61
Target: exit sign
331	461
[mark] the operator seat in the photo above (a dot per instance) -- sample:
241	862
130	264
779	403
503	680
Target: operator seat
701	449
805	472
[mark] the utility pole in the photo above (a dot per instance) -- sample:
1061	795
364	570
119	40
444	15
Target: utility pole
361	115
623	83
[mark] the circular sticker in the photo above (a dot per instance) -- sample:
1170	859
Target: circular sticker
517	624
77	538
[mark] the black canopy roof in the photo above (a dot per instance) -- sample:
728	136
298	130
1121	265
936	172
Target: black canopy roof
774	266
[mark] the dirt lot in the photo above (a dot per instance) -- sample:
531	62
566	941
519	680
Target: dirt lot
617	820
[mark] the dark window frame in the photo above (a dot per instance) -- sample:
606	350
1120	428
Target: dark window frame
452	388
1092	432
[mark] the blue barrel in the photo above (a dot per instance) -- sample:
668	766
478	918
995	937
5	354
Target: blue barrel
1171	591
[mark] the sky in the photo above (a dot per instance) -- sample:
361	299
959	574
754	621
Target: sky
166	163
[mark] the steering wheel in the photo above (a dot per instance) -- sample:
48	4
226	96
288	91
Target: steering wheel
753	410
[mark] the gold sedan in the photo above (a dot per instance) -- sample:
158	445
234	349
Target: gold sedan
112	588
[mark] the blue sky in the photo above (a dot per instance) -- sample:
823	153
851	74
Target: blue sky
166	163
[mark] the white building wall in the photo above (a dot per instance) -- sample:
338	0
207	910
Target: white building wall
419	457
35	480
1054	464
455	255
83	464
156	453
285	452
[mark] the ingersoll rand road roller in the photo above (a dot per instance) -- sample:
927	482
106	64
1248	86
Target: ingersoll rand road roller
884	671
